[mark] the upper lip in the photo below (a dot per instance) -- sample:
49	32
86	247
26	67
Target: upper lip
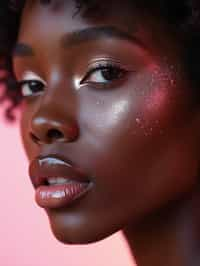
44	167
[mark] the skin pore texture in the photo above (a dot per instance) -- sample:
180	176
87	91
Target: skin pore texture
136	134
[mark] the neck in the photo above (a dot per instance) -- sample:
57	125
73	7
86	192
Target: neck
169	238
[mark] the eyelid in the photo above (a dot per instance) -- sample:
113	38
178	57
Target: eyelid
99	66
108	61
29	75
102	63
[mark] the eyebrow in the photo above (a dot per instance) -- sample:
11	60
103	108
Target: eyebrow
82	36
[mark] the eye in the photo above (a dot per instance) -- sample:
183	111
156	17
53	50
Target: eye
31	84
104	74
30	87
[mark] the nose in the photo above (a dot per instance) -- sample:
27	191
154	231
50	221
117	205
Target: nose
54	116
46	130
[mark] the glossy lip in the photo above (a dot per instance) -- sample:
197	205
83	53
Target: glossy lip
59	196
43	167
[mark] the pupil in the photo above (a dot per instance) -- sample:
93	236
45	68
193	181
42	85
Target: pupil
36	86
111	73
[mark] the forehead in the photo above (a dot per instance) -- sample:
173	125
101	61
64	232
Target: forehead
43	25
92	7
48	22
64	14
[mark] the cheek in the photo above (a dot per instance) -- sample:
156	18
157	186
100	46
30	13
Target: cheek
144	106
134	129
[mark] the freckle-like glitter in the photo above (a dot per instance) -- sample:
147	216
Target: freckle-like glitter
156	100
138	121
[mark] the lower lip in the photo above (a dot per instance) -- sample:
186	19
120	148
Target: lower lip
61	195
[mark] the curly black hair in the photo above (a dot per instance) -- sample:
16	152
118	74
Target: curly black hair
184	16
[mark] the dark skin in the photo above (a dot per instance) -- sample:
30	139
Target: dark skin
135	131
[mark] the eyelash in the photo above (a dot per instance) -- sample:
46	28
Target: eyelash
99	66
103	66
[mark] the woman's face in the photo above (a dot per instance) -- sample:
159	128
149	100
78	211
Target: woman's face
114	101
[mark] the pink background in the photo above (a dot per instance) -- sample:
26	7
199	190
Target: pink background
26	239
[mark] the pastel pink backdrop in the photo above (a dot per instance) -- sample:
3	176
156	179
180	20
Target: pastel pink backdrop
25	236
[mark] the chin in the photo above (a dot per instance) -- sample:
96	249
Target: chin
79	237
80	227
79	233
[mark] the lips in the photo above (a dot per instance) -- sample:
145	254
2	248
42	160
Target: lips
53	168
44	167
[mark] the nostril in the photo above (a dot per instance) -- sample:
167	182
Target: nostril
55	134
52	134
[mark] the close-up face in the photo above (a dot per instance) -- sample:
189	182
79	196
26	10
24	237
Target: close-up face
109	96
